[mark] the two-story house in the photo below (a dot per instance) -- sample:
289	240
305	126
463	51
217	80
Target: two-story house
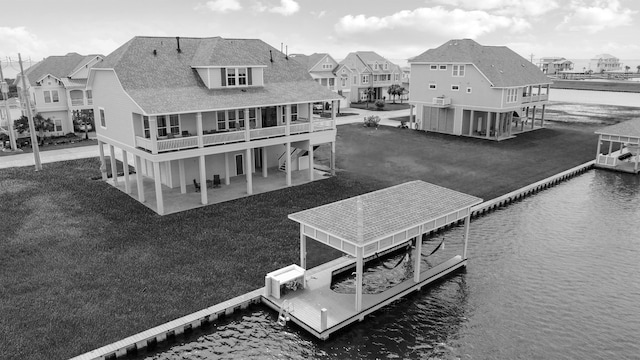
464	88
321	67
197	111
57	89
366	76
605	62
554	65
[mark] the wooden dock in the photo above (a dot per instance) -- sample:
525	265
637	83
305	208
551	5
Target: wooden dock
306	305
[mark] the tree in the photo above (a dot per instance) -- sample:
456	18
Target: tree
638	67
84	118
393	91
40	124
627	68
369	92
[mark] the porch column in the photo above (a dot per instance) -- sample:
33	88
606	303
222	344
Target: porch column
359	262
471	120
542	118
303	249
526	117
333	158
310	161
279	115
288	163
599	145
114	168
227	181
103	163
125	170
334	105
287	120
310	111
199	132
264	162
249	172
417	258
203	180
610	147
153	133
467	221
487	129
411	120
139	178
183	182
247	126
156	178
510	122
258	118
533	117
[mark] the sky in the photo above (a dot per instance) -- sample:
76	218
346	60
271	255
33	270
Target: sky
397	30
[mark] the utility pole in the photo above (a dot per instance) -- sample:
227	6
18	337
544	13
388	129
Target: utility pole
531	58
4	89
32	128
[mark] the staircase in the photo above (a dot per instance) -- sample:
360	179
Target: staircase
295	153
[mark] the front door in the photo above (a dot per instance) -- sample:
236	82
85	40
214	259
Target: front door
239	164
257	155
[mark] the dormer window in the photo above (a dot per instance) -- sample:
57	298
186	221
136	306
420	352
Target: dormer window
236	76
386	66
375	66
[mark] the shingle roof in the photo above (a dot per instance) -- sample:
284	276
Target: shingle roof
502	66
629	128
387	211
361	60
58	66
167	83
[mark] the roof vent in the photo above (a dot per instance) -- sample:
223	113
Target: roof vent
270	56
155	52
178	41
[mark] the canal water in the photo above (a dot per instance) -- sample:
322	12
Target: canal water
595	97
553	276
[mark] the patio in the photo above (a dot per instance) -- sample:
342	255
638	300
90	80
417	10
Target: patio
175	201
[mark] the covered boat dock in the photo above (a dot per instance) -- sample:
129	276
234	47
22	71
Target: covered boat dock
621	150
362	227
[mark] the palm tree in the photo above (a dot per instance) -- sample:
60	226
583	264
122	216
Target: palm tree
393	91
369	92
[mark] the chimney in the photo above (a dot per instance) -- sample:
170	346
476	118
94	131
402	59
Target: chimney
178	40
286	54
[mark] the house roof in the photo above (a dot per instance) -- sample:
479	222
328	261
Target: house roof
499	64
604	56
361	61
166	82
629	128
385	212
57	66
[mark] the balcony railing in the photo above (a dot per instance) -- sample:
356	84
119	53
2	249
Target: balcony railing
441	101
228	137
533	98
77	102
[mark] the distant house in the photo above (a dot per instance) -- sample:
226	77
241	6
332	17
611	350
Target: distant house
198	111
321	67
365	75
405	81
14	113
464	88
605	62
57	88
554	65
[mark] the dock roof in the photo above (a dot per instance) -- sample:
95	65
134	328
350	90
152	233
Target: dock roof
629	128
385	212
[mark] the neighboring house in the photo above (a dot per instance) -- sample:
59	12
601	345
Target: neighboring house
197	110
14	113
321	68
464	88
57	89
554	65
365	75
605	62
405	81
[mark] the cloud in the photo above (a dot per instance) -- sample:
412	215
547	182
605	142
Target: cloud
523	8
319	14
221	6
286	7
601	14
20	40
437	20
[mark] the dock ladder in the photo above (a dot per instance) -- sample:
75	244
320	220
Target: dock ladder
283	314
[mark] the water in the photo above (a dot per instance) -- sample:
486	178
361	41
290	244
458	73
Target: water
554	276
595	97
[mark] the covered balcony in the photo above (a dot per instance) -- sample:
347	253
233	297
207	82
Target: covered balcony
535	94
441	101
179	132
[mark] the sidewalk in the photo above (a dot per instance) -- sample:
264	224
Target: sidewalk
83	152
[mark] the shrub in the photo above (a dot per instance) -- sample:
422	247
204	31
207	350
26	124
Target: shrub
380	104
372	121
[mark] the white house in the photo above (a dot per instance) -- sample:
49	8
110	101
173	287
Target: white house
464	88
193	111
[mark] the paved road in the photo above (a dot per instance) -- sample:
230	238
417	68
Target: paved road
93	151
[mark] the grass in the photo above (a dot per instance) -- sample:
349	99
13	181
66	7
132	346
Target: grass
83	265
388	106
56	144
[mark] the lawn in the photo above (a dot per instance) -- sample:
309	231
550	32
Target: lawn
83	265
388	106
57	143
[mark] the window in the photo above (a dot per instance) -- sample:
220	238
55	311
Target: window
432	86
237	76
252	118
103	121
294	112
363	95
145	126
231	119
389	77
327	66
89	97
51	96
443	67
332	82
231	77
433	67
162	125
455	87
343	82
57	125
344	71
375	66
242	76
458	70
241	118
468	90
365	79
386	66
168	124
222	124
512	95
396	77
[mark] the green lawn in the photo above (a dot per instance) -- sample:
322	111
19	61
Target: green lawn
83	265
388	106
57	144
